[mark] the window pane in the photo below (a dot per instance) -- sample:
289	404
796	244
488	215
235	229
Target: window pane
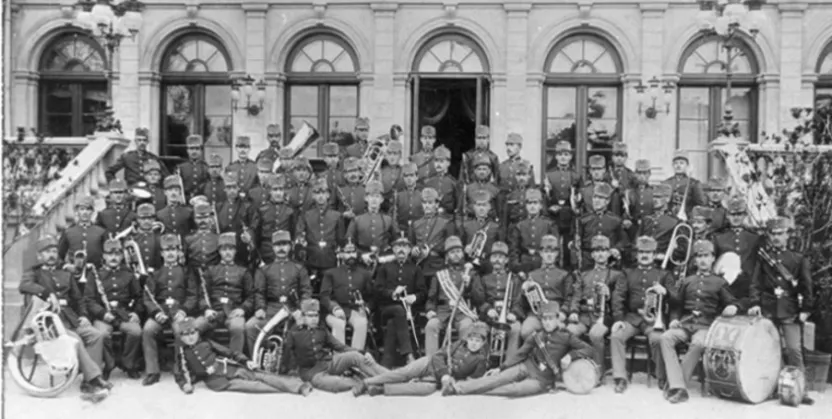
58	97
180	119
711	57
303	106
322	54
603	119
73	52
823	113
740	103
694	127
454	54
343	101
560	119
195	54
58	125
584	54
217	120
95	97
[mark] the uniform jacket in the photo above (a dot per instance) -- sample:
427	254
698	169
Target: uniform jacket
492	230
585	297
369	230
432	231
123	292
471	190
424	165
409	206
116	219
178	219
507	169
268	218
280	278
202	249
310	349
719	217
628	295
158	198
229	287
356	149
464	363
695	194
174	288
524	242
742	242
606	224
556	284
438	300
73	240
394	274
246	173
624	175
562	181
338	285
233	215
766	278
214	190
641	202
704	293
271	153
448	191
587	191
150	247
469	157
558	343
494	287
351	197
42	281
133	164
258	195
201	356
194	176
300	197
391	178
659	227
323	232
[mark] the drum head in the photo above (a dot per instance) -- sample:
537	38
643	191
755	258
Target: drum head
581	376
760	360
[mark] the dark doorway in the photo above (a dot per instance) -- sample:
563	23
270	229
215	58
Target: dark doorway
454	106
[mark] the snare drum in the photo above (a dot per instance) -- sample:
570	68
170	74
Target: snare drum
742	358
581	376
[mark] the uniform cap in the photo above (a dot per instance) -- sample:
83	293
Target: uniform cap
479	329
277	182
483	130
715	184
330	149
310	306
215	160
452	242
281	236
320	185
514	138
533	194
146	210
482	195
151	165
646	244
285	154
169	241
117	185
662	191
46	242
373	188
602	190
401	241
171	181
642	165
777	224
273	129
703	247
243	141
600	242
549	242
142	132
736	204
186	326
429	195
705	213
228	239
202	209
499	248
619	147
301	163
597	162
362	122
194	141
482	160
351	164
265	164
563	145
442	152
86	201
199	199
349	247
409	168
551	308
428	131
230	178
112	246
523	166
681	154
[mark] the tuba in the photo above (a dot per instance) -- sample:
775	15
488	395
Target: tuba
534	295
268	348
652	310
682	238
305	136
477	246
42	341
372	158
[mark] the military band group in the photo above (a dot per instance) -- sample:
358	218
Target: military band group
486	283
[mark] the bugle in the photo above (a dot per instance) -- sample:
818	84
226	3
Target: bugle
682	213
683	233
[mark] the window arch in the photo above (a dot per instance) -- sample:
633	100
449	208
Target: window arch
322	88
72	86
823	95
703	96
582	97
451	53
196	94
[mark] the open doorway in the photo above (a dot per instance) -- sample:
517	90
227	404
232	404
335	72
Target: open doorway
454	106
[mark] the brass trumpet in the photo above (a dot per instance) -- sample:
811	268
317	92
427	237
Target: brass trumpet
682	232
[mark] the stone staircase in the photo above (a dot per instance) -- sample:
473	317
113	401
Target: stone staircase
84	176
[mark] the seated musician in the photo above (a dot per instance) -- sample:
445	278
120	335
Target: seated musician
372	231
309	347
224	369
428	234
524	237
738	239
700	299
781	290
49	282
589	294
554	282
659	224
495	286
468	360
532	370
454	279
628	304
118	215
342	287
170	294
118	307
397	284
230	294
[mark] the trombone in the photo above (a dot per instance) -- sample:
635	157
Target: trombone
683	233
372	158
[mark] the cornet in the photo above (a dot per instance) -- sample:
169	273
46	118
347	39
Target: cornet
652	311
682	232
477	246
534	295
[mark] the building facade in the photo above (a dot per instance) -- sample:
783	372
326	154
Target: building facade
547	70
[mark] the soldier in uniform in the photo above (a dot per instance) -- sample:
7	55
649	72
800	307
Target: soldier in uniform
54	285
284	162
602	222
468	360
443	183
372	232
230	292
736	238
530	371
508	168
214	188
428	234
514	200
118	307
320	230
177	217
700	222
597	174
117	216
408	198
260	193
244	168
340	289
560	184
194	172
627	310
715	191
622	177
438	305
272	215
274	286
299	196
148	237
170	294
153	183
481	222
202	247
789	300
425	168
391	173
495	286
481	182
235	215
660	223
82	236
225	369
133	161
397	283
334	175
362	131
351	194
591	293
274	137
701	298
685	188
481	143
310	348
555	282
524	237
641	196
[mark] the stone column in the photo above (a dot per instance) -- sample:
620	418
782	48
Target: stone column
534	137
149	96
791	61
254	126
384	37
517	98
24	90
126	86
652	139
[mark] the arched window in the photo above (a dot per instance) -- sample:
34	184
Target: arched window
73	86
703	96
196	94
582	97
823	95
321	89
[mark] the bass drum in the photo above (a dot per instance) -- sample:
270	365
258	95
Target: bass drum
581	376
742	358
